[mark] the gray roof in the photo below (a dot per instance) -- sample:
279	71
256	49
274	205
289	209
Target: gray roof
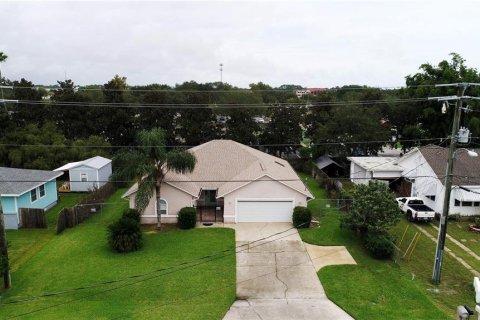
227	165
97	162
325	161
465	168
15	181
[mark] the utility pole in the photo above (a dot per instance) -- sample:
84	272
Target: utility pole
437	267
5	266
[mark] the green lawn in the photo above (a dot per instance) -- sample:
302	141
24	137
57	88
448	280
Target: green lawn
80	256
25	243
458	235
65	200
376	289
460	230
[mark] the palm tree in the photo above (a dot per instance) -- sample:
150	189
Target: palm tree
148	163
3	58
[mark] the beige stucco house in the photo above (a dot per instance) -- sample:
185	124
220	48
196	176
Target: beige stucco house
231	183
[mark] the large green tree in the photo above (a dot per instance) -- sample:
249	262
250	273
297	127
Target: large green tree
30	109
117	121
374	209
148	163
241	127
348	128
41	147
161	117
284	128
421	85
76	121
196	123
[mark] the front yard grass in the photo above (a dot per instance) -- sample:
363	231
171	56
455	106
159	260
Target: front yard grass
25	243
460	230
458	235
80	256
376	289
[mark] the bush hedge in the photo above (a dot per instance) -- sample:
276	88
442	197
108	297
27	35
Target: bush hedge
379	245
125	235
302	216
477	222
132	214
187	218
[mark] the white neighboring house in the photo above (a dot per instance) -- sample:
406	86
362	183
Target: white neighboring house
425	169
364	169
87	175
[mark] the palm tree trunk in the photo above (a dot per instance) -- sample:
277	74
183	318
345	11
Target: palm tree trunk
159	206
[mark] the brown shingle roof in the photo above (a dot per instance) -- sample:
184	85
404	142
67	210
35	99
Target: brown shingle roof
466	169
227	165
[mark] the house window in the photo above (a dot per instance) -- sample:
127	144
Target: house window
83	177
33	195
42	190
457	203
163	206
476	204
431	198
466	203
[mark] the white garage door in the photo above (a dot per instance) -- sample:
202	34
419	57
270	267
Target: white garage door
264	211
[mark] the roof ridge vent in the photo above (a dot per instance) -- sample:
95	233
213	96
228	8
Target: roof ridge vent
279	163
263	167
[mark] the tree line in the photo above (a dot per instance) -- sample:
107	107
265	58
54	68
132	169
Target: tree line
333	120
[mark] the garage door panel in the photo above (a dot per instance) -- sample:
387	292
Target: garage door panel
264	211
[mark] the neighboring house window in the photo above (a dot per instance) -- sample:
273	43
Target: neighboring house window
83	177
163	206
33	195
459	203
42	190
431	198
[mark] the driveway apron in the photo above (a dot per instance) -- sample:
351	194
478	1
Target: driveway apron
276	278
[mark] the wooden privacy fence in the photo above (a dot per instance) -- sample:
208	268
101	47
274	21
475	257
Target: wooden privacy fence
70	217
33	218
90	205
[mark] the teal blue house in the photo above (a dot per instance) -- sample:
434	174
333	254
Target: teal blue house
24	188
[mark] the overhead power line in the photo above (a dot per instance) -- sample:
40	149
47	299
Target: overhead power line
99	284
246	90
227	286
150	278
251	145
213	105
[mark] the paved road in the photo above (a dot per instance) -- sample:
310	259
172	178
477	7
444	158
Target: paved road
276	278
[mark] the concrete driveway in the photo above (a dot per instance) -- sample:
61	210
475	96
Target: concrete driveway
276	278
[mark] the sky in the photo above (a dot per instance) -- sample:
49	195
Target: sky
313	44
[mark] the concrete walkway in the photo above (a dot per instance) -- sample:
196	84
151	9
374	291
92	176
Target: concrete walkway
322	256
276	279
458	243
450	252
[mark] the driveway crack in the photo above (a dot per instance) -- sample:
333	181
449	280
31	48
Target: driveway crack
253	308
276	275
